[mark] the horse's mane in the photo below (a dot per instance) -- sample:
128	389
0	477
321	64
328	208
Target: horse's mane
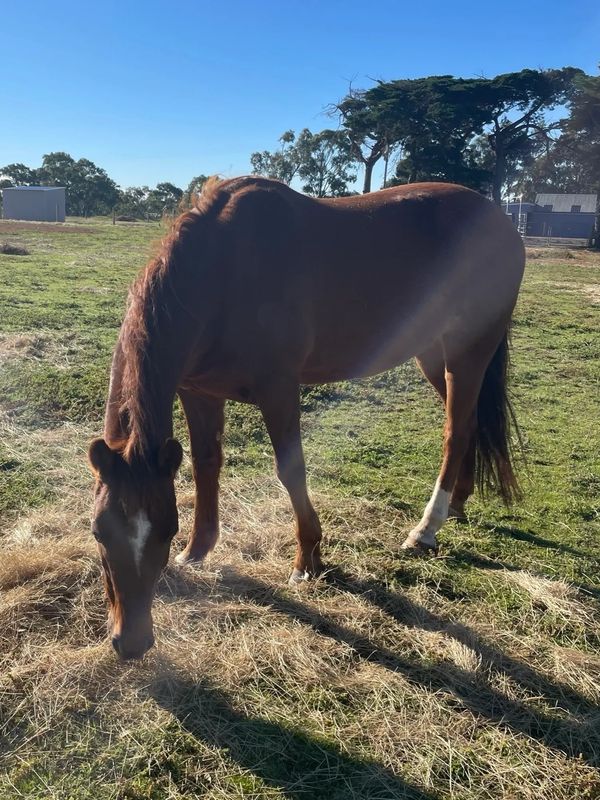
152	301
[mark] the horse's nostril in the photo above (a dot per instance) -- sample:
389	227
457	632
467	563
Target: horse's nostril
115	643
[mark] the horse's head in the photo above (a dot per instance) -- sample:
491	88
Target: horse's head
134	522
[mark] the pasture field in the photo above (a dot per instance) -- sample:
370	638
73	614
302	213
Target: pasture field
472	675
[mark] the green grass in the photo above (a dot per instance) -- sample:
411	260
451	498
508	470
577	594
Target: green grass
472	675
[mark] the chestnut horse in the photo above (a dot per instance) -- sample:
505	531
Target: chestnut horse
259	289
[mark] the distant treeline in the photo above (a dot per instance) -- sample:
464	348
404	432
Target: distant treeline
512	135
90	190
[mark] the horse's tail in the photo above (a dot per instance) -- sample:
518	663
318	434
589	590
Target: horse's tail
496	426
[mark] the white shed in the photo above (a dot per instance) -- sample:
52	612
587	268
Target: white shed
40	203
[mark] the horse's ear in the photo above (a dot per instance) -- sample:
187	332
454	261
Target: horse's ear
102	459
170	456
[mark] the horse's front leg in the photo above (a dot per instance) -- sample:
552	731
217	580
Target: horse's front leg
204	417
279	402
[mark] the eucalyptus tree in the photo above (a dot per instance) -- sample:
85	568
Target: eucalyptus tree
89	189
18	175
281	164
164	199
194	189
323	161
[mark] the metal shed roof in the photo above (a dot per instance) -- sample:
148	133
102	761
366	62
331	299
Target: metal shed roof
33	188
564	202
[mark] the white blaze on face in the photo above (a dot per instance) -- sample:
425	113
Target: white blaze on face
141	531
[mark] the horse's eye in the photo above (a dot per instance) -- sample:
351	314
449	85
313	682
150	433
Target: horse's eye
96	533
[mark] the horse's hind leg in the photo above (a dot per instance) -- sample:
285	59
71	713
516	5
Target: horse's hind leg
464	375
433	368
204	417
279	403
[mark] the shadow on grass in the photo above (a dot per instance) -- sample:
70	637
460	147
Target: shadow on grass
532	538
484	562
572	727
413	615
288	759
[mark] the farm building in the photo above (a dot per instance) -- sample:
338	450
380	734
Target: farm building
40	203
563	216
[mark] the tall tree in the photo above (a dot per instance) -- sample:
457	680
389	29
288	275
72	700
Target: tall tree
92	191
194	189
280	164
325	162
371	130
436	123
436	127
581	131
164	199
571	163
89	190
517	103
133	201
18	175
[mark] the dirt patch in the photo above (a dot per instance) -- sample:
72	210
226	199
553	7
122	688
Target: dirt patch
589	290
593	292
580	257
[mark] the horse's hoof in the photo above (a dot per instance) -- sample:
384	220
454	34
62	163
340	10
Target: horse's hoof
298	576
414	547
457	514
184	558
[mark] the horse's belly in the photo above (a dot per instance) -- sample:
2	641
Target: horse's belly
363	350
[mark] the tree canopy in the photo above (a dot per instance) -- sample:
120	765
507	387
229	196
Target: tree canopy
475	131
322	161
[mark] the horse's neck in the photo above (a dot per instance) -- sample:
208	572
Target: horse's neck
145	379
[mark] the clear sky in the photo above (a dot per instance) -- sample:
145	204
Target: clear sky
154	91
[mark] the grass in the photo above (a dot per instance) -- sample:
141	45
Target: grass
472	675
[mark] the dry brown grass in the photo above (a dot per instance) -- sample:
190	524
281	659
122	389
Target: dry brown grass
393	680
590	291
577	257
38	347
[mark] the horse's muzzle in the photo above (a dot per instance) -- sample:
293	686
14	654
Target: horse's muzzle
128	652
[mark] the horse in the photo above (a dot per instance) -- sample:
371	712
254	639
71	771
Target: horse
259	289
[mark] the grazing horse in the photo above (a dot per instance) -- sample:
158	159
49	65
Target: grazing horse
259	289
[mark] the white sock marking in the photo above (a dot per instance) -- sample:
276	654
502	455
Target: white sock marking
434	516
141	528
436	510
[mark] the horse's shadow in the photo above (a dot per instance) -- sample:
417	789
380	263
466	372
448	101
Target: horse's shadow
529	537
303	766
470	558
282	757
573	730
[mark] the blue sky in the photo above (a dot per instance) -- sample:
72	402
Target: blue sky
155	91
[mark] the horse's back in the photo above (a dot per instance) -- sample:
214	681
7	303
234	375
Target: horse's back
356	285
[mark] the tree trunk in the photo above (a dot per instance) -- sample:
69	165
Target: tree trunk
595	237
499	176
368	175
